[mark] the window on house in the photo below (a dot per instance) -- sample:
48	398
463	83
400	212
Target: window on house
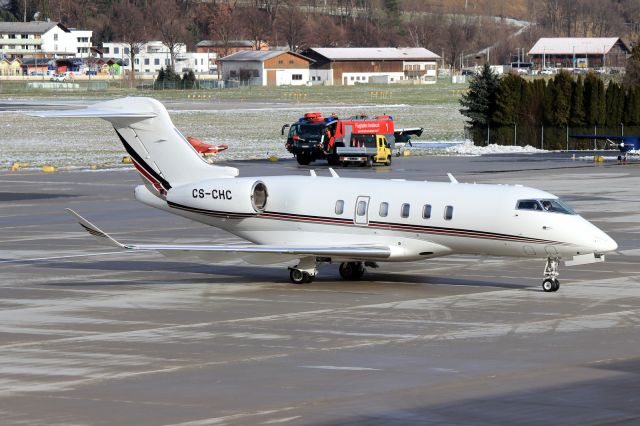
384	209
55	37
105	50
116	50
291	62
156	61
426	211
280	62
448	212
404	210
126	51
339	207
146	61
296	77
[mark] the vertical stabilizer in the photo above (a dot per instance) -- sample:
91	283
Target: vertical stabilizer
159	151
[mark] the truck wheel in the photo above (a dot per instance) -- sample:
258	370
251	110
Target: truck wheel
333	161
303	160
370	162
388	162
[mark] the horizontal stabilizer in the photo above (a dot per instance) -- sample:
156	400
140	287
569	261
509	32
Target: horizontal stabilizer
95	113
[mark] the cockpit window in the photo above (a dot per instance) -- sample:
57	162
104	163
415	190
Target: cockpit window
550	205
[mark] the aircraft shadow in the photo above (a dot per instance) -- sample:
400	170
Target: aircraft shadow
241	274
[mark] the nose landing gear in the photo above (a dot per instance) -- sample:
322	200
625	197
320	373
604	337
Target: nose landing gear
551	282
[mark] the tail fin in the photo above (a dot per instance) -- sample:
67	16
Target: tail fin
159	151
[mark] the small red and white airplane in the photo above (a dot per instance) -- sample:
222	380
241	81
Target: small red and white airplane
205	149
357	222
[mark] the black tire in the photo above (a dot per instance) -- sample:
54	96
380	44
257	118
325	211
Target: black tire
351	270
556	284
303	160
548	285
332	161
297	276
388	162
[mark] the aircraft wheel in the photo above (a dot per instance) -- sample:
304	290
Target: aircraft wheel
549	284
297	276
556	284
351	270
308	278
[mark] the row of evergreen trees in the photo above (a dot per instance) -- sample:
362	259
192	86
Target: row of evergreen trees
168	79
508	109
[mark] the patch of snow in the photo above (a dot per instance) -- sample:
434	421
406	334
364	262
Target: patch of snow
468	148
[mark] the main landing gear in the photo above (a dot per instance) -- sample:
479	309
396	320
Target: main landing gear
550	282
306	271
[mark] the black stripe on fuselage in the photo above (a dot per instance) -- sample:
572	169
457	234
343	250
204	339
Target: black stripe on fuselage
451	232
132	152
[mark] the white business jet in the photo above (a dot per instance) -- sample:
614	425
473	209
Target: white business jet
312	220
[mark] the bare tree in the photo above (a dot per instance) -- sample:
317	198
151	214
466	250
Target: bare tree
256	25
222	25
130	28
168	19
293	24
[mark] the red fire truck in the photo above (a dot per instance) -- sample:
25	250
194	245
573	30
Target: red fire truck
359	139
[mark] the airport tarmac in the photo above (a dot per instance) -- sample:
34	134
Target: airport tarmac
91	335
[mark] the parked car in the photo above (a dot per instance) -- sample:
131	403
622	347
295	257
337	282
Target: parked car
64	77
547	71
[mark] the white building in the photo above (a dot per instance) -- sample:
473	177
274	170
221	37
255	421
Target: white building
266	67
43	40
154	55
378	65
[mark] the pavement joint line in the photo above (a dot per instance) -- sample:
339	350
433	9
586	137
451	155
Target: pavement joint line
60	257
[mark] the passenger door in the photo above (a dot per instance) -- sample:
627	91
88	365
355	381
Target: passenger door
361	213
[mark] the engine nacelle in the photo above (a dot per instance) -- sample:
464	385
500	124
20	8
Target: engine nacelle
236	195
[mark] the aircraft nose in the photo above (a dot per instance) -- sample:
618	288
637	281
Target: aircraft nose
604	243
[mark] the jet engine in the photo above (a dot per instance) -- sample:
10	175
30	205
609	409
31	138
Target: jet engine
219	196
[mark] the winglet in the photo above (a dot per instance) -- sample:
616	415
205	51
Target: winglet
97	233
451	178
333	173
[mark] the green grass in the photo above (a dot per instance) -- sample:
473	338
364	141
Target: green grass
433	94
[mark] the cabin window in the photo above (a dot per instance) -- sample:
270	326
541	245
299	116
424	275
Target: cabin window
404	210
448	212
361	209
426	211
384	209
339	207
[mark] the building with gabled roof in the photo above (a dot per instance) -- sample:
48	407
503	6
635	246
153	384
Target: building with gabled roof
43	39
579	52
353	65
266	67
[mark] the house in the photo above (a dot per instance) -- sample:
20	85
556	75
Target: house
576	52
219	49
266	67
10	67
43	40
352	65
154	55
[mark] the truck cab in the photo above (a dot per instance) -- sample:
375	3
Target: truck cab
366	150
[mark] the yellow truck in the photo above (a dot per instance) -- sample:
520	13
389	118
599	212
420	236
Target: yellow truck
366	150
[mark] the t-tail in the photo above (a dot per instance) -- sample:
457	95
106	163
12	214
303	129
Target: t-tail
158	150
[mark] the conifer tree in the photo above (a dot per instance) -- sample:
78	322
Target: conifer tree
591	99
508	99
601	105
548	112
576	118
479	104
561	98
